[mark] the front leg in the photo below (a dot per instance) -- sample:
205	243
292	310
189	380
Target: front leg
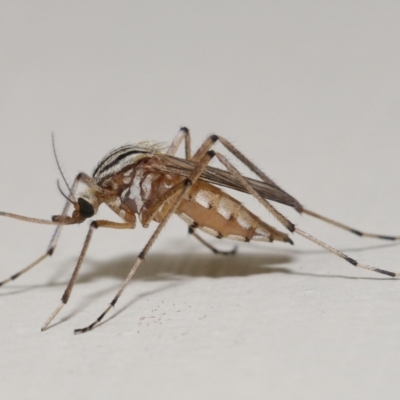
67	293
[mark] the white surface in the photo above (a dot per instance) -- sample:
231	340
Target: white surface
310	91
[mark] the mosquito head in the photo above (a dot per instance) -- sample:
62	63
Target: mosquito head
85	209
86	206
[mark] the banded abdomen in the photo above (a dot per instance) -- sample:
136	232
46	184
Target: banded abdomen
213	211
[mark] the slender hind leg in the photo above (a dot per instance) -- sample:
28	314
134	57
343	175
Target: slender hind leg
348	228
298	207
208	143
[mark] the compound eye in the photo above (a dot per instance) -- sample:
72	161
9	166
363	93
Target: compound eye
86	210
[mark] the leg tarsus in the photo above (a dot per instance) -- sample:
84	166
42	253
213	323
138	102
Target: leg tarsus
348	228
210	246
345	257
26	269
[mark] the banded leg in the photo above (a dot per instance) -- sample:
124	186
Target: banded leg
54	239
345	257
188	183
67	293
300	232
348	228
297	206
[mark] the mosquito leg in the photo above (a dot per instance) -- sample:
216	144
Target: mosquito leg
210	246
297	205
54	239
344	256
285	221
23	270
67	293
348	228
183	134
188	183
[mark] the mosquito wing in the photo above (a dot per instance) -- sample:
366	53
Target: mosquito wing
220	177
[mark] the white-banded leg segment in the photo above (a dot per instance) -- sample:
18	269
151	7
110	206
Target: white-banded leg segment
188	183
54	239
348	228
23	270
67	293
324	245
345	257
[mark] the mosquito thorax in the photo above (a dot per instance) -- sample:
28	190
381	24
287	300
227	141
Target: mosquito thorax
116	160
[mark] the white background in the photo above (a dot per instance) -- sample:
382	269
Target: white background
309	91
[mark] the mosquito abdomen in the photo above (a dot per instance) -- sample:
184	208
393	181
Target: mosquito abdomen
213	211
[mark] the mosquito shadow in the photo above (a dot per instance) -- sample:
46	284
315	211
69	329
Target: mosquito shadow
173	269
163	267
166	266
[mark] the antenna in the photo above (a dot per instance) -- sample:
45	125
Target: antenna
61	173
63	194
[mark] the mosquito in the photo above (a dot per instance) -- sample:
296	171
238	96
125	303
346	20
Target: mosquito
147	181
